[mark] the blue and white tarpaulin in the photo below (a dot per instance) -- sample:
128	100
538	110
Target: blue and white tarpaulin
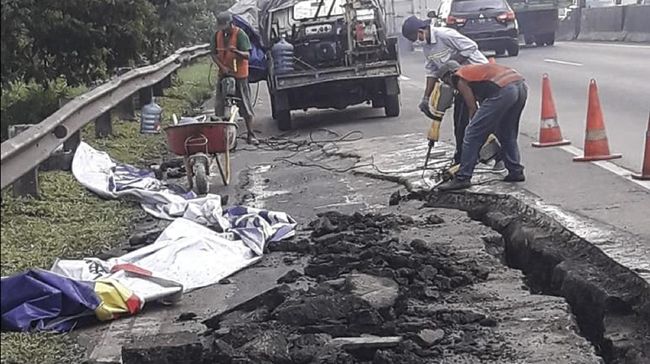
96	171
200	247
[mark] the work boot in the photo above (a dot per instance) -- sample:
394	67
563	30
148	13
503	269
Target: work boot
455	184
515	177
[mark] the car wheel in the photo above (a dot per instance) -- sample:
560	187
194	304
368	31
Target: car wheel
513	50
284	120
500	51
391	105
529	40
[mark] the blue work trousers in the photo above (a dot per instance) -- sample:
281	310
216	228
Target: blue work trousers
499	114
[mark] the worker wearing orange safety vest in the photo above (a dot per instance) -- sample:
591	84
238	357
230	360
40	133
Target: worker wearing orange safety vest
230	51
496	96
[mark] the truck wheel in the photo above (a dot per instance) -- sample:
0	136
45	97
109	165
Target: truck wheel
391	105
513	50
549	39
529	40
284	120
500	51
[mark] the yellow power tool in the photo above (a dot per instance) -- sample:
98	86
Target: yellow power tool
440	100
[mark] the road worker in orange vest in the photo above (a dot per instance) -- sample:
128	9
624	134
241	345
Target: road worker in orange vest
230	51
495	96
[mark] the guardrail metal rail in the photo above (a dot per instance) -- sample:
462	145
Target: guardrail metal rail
22	154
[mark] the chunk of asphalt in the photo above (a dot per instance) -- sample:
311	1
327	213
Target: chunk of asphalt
378	292
428	337
290	277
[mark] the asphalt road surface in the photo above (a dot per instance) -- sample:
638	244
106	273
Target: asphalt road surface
623	77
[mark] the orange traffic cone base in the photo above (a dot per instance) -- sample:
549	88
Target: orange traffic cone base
593	158
551	144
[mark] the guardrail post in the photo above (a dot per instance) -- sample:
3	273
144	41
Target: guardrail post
72	143
126	109
158	89
103	125
27	184
144	96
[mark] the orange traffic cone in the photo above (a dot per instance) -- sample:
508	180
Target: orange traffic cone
596	145
549	131
645	173
491	60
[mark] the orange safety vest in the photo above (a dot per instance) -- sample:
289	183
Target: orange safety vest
492	72
227	57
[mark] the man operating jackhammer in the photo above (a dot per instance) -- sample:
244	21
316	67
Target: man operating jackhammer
441	44
501	93
230	51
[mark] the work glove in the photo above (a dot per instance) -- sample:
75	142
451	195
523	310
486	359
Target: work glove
424	107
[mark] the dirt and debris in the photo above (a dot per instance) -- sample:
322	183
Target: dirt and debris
368	284
406	288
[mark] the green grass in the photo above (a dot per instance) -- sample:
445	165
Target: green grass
68	221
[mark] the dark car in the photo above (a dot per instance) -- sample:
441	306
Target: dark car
490	23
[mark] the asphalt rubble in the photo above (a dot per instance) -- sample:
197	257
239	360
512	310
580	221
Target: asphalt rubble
365	296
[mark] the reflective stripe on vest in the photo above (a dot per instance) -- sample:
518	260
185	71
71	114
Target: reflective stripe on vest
495	73
227	57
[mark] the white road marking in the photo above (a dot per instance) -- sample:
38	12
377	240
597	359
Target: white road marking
589	44
563	62
403	78
609	166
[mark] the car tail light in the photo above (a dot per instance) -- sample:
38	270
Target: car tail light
452	20
506	17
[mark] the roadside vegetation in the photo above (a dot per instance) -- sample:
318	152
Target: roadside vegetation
68	221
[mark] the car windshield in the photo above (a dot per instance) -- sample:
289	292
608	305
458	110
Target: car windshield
465	6
307	9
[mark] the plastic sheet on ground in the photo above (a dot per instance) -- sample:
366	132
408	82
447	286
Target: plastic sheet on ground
96	171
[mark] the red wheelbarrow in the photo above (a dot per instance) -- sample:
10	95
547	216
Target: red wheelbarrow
200	143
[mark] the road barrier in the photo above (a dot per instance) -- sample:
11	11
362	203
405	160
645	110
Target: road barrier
604	24
637	23
569	27
630	23
22	154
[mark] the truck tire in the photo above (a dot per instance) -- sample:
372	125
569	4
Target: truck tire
549	39
284	120
391	105
513	50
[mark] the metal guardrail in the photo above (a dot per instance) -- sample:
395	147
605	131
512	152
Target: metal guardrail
27	150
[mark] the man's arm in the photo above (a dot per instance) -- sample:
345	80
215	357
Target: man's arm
463	46
468	96
428	89
242	50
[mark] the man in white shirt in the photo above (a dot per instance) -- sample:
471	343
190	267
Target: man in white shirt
439	45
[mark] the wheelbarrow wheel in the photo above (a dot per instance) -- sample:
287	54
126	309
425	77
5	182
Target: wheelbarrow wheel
200	179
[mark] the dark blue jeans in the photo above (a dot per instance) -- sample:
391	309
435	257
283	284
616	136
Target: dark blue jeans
499	114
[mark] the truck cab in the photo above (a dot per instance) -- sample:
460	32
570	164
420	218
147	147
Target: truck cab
330	54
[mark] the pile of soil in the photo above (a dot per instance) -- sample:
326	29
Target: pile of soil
362	282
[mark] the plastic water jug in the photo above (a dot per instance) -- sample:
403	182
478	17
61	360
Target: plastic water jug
151	118
282	53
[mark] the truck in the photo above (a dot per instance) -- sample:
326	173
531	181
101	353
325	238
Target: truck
339	55
538	20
